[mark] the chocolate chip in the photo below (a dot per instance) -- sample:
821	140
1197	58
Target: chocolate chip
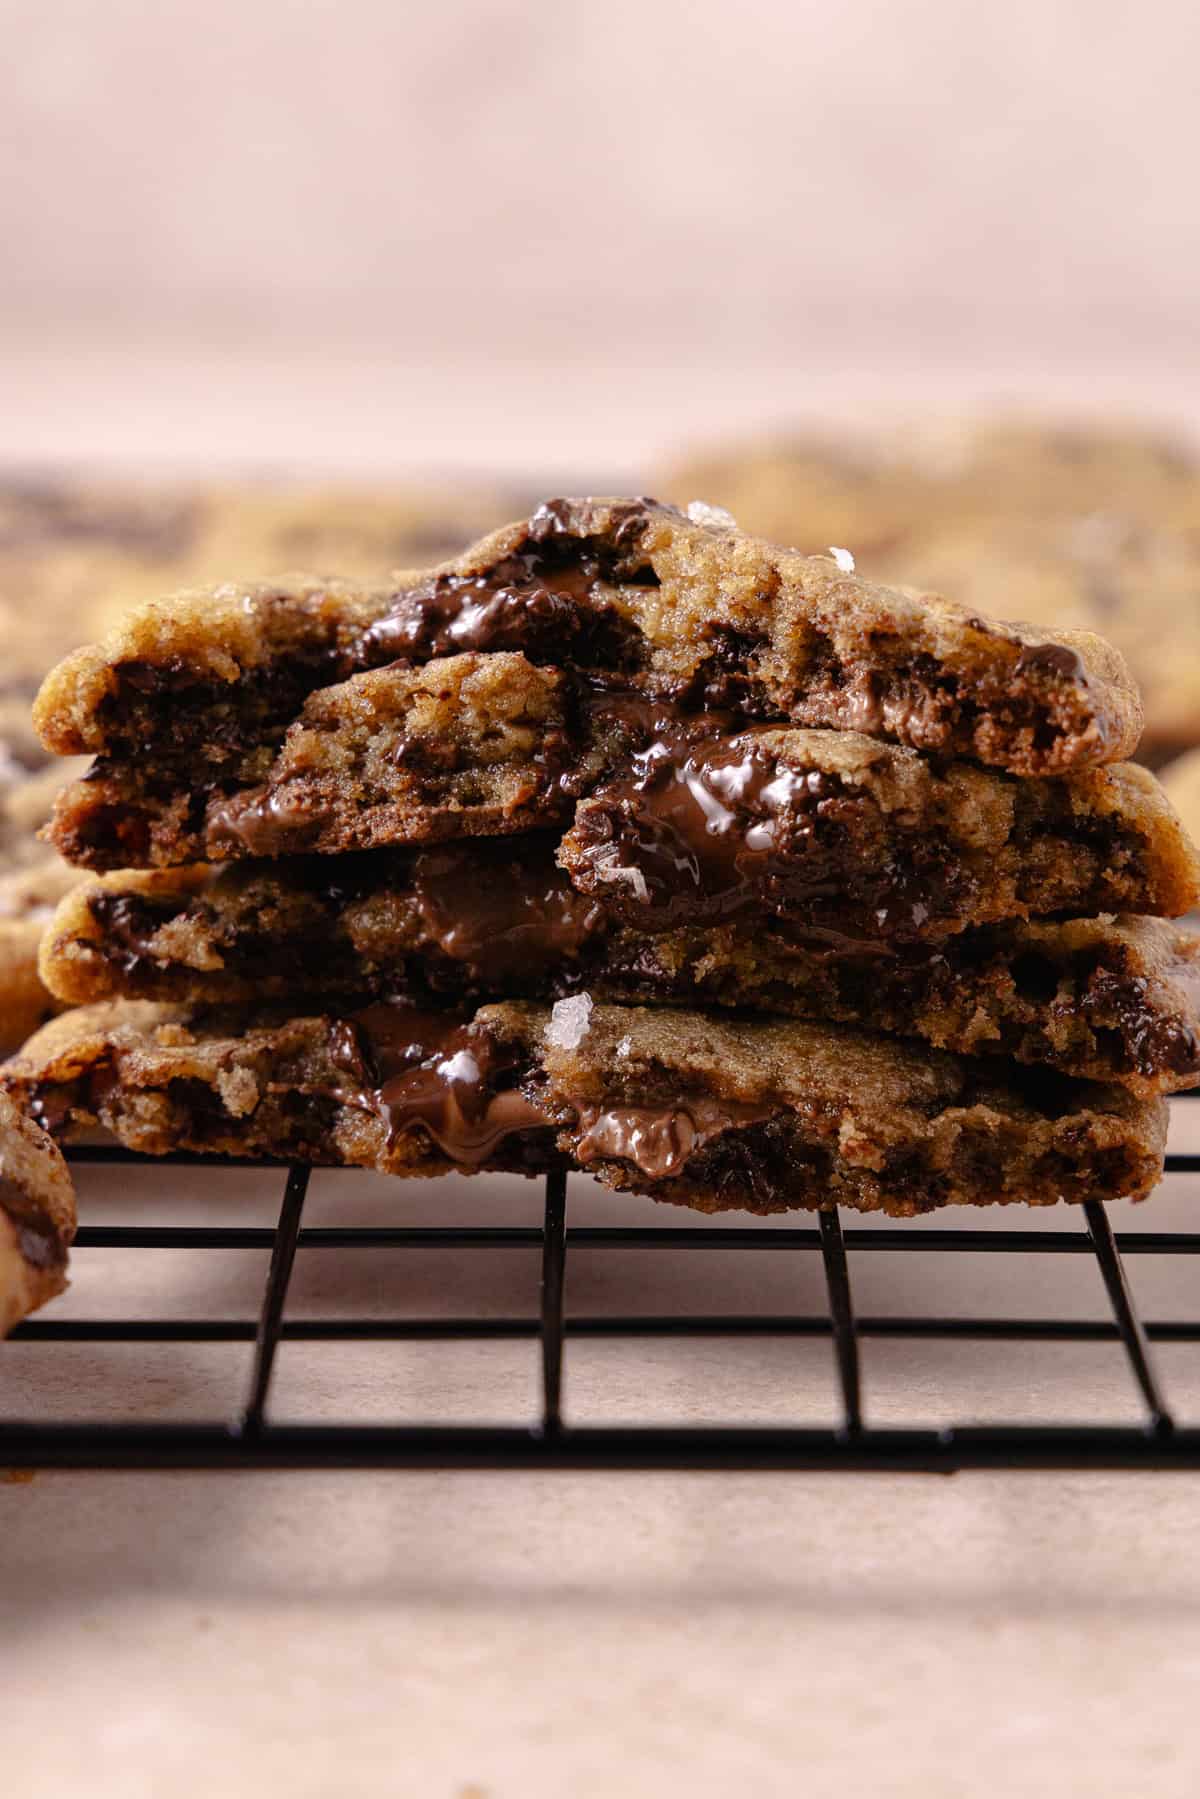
1054	658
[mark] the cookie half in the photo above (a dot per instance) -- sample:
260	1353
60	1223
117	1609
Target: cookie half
666	823
753	1114
683	607
1110	999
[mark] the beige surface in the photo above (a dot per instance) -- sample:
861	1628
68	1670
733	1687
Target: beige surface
513	1634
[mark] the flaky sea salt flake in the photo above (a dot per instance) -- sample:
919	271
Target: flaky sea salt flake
606	867
570	1020
701	513
843	558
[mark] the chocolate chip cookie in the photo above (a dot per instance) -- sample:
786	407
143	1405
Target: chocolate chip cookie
1082	527
1106	999
713	1113
680	608
37	1216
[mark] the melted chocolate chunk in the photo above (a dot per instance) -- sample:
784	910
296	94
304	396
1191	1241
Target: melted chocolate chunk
38	1242
555	519
263	823
499	916
454	1079
128	922
660	1140
727	677
552	602
707	830
1056	658
1113	999
699	834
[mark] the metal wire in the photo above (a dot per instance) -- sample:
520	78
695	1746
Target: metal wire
250	1440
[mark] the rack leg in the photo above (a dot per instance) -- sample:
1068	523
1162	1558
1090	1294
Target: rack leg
270	1322
841	1313
1133	1334
554	1256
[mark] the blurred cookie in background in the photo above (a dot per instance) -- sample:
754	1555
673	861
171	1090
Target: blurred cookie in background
1069	525
33	878
75	555
807	492
1181	781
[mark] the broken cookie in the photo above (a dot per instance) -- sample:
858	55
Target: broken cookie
714	1113
672	824
677	607
1108	999
37	1216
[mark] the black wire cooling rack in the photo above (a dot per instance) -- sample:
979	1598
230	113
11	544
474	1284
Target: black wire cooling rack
251	1440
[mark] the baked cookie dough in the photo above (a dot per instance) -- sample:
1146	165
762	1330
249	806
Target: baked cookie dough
679	607
37	1216
1081	526
762	1115
1107	999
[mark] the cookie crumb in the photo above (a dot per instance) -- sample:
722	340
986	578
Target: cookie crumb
701	513
570	1020
843	558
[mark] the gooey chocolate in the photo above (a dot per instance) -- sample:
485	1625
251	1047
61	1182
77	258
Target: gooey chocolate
450	1076
500	913
552	599
659	1140
262	823
459	1082
703	832
704	829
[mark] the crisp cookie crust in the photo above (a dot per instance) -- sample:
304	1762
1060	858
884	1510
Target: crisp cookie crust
37	1216
697	612
1106	999
761	1115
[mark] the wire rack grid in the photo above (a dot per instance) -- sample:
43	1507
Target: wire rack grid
252	1440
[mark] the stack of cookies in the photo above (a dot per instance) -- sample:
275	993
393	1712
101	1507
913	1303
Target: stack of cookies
624	842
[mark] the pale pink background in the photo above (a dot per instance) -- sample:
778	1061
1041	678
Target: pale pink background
477	232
